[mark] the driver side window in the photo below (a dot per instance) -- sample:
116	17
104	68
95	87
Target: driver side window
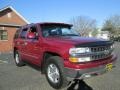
33	31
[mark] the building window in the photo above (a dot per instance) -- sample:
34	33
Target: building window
3	35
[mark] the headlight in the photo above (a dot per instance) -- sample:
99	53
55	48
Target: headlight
78	50
74	51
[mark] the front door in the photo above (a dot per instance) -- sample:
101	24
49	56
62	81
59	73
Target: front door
33	46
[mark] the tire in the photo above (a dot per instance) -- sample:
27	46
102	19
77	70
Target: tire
18	60
54	71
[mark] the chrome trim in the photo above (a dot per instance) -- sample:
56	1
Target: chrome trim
91	53
96	53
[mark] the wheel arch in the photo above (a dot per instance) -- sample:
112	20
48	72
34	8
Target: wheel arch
47	55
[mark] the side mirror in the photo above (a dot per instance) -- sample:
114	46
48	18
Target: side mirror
31	35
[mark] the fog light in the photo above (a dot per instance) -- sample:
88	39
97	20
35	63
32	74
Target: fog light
83	59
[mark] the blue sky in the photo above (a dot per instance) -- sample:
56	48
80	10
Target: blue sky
63	10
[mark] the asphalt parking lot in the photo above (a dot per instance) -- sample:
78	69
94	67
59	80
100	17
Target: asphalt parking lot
28	78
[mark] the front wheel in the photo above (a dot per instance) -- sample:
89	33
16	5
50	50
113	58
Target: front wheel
55	73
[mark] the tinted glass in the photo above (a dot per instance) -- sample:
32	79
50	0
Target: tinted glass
56	30
23	33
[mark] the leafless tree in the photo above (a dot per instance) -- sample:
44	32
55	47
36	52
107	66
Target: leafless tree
83	25
112	24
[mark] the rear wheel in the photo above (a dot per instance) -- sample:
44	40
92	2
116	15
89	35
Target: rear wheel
18	59
55	73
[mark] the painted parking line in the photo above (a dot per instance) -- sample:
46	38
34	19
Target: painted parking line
2	61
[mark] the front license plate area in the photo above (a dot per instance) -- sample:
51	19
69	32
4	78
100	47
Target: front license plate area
109	67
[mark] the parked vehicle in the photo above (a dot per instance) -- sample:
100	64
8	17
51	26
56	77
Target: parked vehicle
62	54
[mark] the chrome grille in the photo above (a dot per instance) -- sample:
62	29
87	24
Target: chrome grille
100	52
99	49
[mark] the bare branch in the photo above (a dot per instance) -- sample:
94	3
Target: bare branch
83	25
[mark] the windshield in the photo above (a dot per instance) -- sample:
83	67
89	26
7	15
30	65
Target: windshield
57	31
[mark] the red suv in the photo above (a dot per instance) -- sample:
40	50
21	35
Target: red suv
62	54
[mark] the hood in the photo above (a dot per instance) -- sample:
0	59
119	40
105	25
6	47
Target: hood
75	40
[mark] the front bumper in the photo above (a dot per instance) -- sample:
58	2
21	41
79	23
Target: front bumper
72	73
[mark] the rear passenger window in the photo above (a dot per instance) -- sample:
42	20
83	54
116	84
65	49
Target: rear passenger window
23	33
